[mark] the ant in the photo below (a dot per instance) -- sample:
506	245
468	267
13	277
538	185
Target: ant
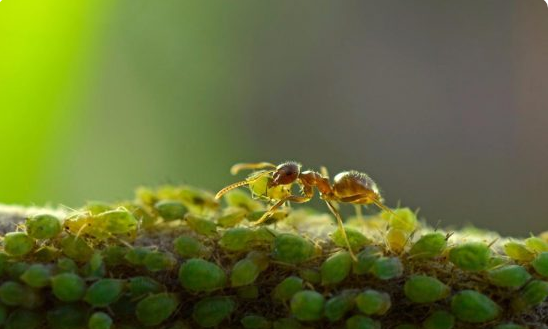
348	186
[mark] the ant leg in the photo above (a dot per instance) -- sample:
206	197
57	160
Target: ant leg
358	208
341	227
270	212
242	166
367	199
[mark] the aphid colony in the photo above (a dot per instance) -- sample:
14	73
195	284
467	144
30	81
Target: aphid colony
176	258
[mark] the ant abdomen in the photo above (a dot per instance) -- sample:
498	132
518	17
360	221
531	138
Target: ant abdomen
348	185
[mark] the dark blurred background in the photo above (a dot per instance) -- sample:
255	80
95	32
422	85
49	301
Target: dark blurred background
443	103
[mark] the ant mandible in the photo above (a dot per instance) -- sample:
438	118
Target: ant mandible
348	186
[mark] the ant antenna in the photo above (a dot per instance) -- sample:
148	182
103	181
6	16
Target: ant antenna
230	188
242	166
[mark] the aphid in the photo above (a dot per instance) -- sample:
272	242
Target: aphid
211	311
244	272
43	226
348	186
76	248
18	243
287	288
108	224
355	238
104	292
100	320
201	225
536	244
170	209
16	294
425	289
159	261
534	293
26	319
373	302
510	276
474	307
471	256
199	275
540	264
36	276
68	287
292	249
366	259
142	285
386	268
189	247
429	245
337	307
336	268
396	239
439	320
155	309
362	322
310	275
237	239
64	265
63	316
518	251
307	305
255	322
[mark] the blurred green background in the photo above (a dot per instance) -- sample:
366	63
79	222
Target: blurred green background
444	104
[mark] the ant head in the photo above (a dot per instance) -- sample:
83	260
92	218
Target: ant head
286	173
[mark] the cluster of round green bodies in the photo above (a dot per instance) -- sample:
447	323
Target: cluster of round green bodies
176	259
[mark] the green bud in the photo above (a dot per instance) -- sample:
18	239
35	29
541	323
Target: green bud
356	239
99	320
386	268
429	246
43	226
255	322
540	264
211	311
68	287
473	307
518	251
337	307
362	322
471	256
104	292
439	320
366	259
425	289
292	249
155	309
170	209
510	276
36	276
307	305
18	243
287	288
372	302
199	275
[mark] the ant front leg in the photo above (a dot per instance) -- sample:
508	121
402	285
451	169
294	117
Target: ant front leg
270	212
341	227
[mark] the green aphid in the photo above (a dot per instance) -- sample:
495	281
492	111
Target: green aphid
64	265
405	219
336	268
211	311
471	256
18	243
292	249
310	275
197	200
307	305
509	276
241	199
264	235
16	269
190	247
373	302
68	287
509	326
356	239
338	306
287	323
124	308
199	275
43	226
287	288
366	259
24	319
95	267
171	209
155	309
137	255
68	316
517	251
104	292
473	307
159	261
396	239
534	293
100	320
37	276
261	259
386	268
96	207
255	322
244	272
540	264
201	225
114	255
16	294
536	245
429	246
3	314
425	289
46	254
439	320
118	221
362	322
76	248
4	262
143	285
237	239
232	218
248	292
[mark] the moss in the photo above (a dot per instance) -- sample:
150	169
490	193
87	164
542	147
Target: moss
176	258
